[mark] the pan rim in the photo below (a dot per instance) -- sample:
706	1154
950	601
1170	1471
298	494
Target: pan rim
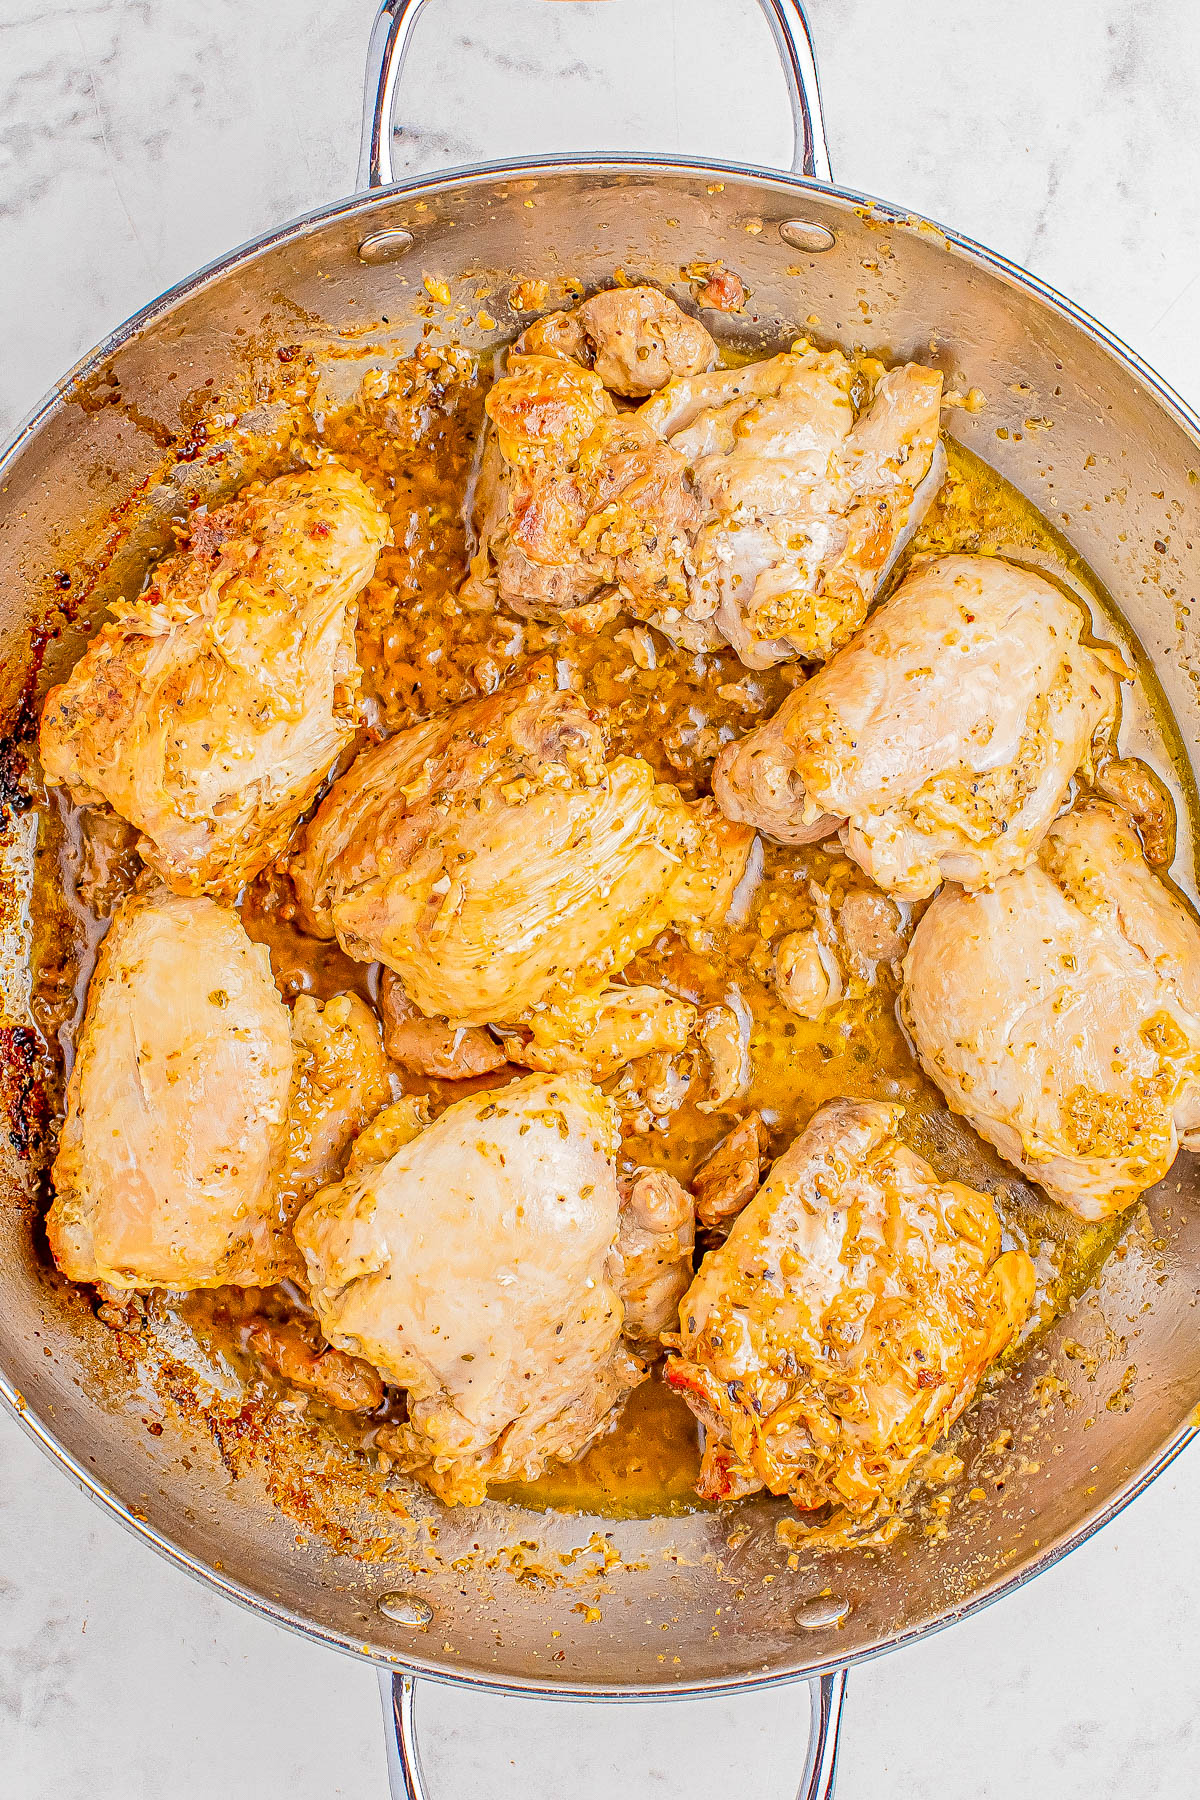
361	206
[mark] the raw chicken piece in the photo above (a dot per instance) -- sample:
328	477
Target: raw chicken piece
1060	1014
495	861
943	739
636	339
209	711
477	1268
847	1319
655	1242
177	1106
805	505
599	1032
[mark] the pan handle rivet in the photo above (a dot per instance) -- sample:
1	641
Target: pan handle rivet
384	246
405	1609
813	1615
806	234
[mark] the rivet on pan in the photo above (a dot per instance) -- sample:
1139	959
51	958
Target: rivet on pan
806	234
384	246
813	1615
405	1609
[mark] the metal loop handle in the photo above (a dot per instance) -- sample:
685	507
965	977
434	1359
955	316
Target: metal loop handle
391	36
406	1778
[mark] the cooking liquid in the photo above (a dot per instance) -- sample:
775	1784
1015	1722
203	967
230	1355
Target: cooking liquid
422	652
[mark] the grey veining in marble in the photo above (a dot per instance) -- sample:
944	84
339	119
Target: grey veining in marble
138	139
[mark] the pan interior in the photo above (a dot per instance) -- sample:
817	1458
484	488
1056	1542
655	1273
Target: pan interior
520	1597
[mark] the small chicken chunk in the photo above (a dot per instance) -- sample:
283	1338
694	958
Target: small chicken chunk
1143	796
177	1106
340	1080
635	338
600	1032
496	862
656	1239
1060	1014
806	975
434	1047
806	506
344	1382
727	1181
847	1319
478	1268
943	740
209	711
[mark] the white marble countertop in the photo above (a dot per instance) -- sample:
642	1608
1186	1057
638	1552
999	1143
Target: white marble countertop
138	139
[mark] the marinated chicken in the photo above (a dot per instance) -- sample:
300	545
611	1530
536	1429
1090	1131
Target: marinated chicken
728	1179
635	338
941	742
749	506
805	504
177	1106
432	1046
477	1268
495	862
847	1319
1060	1014
208	712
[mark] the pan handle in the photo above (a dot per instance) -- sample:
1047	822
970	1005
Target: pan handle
391	36
406	1779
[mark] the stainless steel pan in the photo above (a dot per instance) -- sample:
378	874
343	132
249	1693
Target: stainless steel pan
83	495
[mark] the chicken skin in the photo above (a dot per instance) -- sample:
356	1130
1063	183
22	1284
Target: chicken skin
748	507
1060	1014
209	711
942	740
177	1106
494	861
477	1268
847	1319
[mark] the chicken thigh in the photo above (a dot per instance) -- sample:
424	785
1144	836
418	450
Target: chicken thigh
200	1112
1060	1014
477	1268
495	861
847	1319
177	1106
748	506
805	505
575	502
943	739
209	711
